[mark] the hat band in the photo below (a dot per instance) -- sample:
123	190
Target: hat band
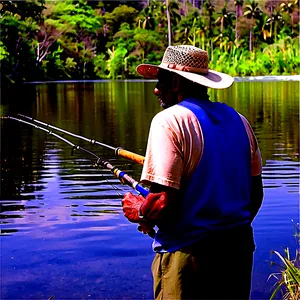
173	66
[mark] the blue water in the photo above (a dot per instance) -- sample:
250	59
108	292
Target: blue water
63	231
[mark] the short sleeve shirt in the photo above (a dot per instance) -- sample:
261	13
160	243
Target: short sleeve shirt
175	145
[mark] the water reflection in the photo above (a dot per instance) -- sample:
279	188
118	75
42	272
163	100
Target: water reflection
60	190
64	215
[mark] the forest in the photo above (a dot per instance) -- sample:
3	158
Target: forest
89	40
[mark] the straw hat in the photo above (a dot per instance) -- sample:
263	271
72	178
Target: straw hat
189	62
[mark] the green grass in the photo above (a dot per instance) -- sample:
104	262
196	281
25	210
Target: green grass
288	279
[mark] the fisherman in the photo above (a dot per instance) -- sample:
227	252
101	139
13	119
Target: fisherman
203	166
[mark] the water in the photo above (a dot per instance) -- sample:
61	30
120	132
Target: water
63	232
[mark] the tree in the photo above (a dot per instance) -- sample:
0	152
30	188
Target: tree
210	9
19	27
238	12
18	40
169	23
187	27
289	8
225	21
262	28
172	17
81	28
275	22
152	14
119	15
252	12
24	9
270	5
115	62
148	43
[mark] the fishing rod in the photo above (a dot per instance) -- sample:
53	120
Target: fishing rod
118	150
122	176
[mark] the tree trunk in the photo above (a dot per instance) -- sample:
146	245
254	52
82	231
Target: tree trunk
250	39
169	23
237	35
212	50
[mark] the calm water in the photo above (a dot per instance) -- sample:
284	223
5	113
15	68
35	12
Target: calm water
63	232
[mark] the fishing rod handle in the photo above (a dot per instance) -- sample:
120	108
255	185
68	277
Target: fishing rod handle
134	184
131	182
130	155
144	192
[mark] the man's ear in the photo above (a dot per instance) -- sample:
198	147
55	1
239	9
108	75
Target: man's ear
176	83
179	87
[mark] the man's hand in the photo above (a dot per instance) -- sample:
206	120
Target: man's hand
155	206
146	228
131	205
159	205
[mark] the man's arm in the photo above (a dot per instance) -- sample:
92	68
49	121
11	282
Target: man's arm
159	205
257	195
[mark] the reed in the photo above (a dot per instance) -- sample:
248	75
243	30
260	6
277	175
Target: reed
288	279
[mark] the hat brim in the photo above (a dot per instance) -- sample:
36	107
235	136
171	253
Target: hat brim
213	79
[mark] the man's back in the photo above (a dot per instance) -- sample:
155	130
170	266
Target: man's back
216	195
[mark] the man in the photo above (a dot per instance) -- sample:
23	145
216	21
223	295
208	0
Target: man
203	166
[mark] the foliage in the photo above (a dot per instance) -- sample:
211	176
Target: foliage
115	63
121	14
77	27
24	9
17	38
78	39
3	53
100	65
288	280
290	277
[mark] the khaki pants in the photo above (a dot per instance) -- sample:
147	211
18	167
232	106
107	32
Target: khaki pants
201	272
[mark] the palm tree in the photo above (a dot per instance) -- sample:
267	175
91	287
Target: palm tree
252	12
201	29
166	14
184	27
289	9
220	20
262	28
238	12
174	16
147	17
275	21
210	9
270	5
225	21
197	30
169	23
152	16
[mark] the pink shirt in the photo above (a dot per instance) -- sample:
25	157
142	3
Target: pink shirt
175	146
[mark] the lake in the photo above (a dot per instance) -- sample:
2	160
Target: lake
63	234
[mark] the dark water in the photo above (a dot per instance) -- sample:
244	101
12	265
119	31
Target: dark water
63	232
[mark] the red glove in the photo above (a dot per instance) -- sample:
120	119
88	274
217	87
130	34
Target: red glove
131	205
153	208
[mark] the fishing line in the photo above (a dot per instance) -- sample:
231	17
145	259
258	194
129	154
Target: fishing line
118	150
122	176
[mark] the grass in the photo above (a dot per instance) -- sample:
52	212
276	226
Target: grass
288	279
